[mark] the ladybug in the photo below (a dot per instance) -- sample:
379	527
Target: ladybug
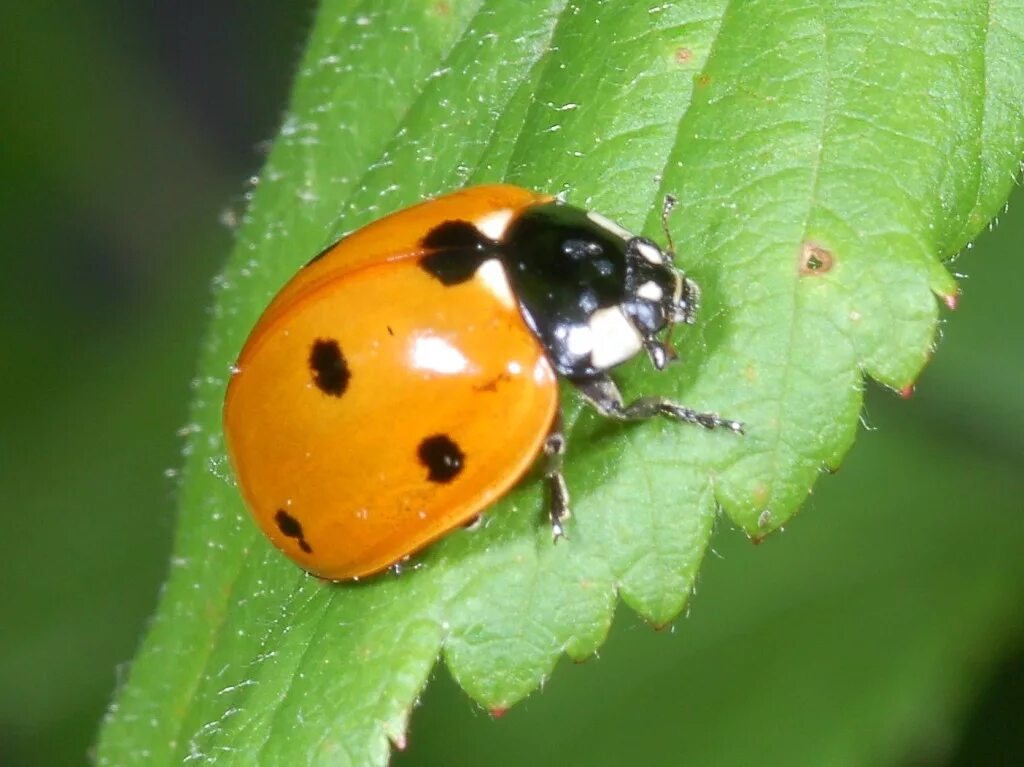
407	377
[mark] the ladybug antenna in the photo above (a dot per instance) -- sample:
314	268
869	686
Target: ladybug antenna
666	209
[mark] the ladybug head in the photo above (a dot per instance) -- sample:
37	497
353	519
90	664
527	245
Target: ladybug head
658	296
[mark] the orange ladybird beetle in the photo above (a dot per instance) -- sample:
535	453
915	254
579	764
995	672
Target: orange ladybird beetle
407	377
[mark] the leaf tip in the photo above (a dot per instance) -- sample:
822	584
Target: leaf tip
660	625
398	740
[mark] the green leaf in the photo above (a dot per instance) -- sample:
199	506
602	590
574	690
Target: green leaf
828	160
803	651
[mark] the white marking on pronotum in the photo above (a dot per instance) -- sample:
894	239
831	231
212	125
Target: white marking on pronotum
579	340
651	291
609	225
493	225
492	274
615	338
650	252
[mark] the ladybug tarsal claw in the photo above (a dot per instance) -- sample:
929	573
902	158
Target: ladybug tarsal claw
557	531
658	352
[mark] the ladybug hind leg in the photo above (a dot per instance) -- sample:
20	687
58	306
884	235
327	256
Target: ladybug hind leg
602	393
558	492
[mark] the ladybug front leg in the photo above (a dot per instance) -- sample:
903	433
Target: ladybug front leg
558	492
601	392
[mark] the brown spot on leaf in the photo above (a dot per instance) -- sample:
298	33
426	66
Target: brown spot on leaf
684	55
814	259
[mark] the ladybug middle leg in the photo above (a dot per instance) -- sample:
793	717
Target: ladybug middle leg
601	392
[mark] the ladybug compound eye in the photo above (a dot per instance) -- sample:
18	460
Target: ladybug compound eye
686	301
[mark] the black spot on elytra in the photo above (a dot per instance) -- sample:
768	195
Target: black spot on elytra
455	235
291	527
442	457
327	363
452	267
457	250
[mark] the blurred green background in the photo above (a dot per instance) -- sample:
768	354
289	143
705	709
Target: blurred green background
885	626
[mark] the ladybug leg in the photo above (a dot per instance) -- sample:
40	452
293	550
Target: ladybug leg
601	392
558	492
660	353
